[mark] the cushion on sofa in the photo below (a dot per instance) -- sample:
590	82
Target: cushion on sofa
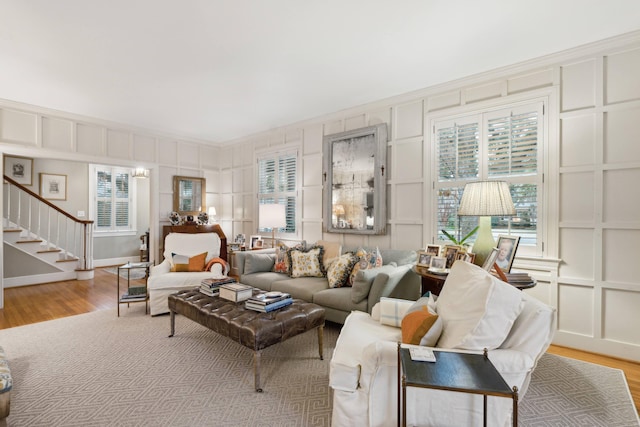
340	269
332	250
367	260
338	299
306	263
421	325
385	282
301	287
258	263
477	309
181	262
361	287
281	264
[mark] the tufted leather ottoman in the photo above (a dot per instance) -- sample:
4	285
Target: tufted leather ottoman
252	329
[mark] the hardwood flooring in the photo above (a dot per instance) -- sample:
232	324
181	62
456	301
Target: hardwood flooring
31	304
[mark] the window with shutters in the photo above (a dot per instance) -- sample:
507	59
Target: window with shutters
278	183
112	208
504	144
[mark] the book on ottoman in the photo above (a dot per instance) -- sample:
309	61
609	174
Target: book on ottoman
235	292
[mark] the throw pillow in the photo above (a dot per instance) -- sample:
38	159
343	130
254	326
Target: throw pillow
361	287
255	263
224	265
281	264
306	263
477	309
392	311
339	270
416	325
366	260
332	250
187	263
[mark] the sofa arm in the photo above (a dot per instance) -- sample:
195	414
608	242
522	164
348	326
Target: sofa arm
240	258
162	268
402	283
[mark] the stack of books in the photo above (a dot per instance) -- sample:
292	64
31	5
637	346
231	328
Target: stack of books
235	292
519	278
269	301
135	293
211	287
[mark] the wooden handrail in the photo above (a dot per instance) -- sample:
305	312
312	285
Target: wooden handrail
48	203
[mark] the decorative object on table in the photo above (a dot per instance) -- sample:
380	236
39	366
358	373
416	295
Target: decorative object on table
438	264
424	259
486	199
20	169
175	218
53	186
268	301
258	244
450	252
460	241
490	260
272	216
203	218
235	292
507	246
253	240
433	250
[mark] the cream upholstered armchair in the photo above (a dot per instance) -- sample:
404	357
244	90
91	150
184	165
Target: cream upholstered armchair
188	258
475	310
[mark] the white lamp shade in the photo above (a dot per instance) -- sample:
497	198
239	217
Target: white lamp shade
212	211
486	198
272	216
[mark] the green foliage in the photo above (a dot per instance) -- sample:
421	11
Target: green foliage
461	241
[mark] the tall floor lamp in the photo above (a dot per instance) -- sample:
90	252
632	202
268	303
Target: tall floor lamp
485	199
272	216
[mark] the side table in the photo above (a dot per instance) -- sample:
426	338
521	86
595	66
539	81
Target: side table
467	373
122	299
430	282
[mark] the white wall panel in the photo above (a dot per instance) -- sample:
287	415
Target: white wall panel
621	315
118	144
353	241
226	155
312	141
621	256
408	236
188	155
57	134
408	203
312	203
622	71
311	231
249	205
166	206
622	137
19	126
227	207
167	152
237	175
408	161
226	181
408	120
485	91
144	148
577	253
238	206
579	85
382	241
209	157
90	139
213	181
578	140
165	182
312	170
445	100
575	309
247	178
293	136
382	115
576	197
333	127
622	196
529	81
355	122
238	155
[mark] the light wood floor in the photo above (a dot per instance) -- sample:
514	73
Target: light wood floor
37	303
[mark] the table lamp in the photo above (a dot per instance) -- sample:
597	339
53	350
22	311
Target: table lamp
485	199
272	216
212	214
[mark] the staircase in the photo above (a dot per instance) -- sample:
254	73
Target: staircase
46	237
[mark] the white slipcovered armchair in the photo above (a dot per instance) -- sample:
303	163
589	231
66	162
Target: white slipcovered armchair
163	282
476	310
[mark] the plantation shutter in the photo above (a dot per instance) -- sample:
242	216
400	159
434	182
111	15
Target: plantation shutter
113	209
277	183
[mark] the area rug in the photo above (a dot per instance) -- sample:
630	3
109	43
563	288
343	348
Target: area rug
135	273
100	370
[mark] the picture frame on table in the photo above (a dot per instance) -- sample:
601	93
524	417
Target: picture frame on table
20	169
450	252
253	240
53	186
258	244
491	259
507	247
433	250
438	263
424	259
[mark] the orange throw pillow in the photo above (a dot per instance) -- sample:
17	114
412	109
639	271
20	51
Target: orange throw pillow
416	324
186	263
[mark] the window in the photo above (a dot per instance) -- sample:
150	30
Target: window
278	183
112	207
503	144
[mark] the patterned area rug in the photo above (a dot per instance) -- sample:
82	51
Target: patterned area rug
97	369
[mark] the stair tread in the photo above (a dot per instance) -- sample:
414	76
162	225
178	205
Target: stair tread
67	260
11	230
29	241
49	250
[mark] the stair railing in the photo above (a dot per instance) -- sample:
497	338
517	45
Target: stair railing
42	220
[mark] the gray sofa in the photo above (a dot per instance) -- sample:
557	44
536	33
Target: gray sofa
395	278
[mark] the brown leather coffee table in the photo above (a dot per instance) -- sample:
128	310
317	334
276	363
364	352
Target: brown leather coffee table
250	328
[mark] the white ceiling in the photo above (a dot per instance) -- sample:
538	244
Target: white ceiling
218	70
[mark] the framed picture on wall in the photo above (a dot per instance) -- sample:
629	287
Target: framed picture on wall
53	186
20	169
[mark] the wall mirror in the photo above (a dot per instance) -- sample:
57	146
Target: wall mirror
355	181
189	195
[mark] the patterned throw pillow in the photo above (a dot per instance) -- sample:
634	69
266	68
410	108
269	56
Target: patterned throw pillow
366	260
281	264
187	263
306	263
340	269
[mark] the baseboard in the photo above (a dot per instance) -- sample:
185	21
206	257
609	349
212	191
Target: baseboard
11	282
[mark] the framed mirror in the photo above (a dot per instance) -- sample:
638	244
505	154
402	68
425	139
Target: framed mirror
355	181
189	195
